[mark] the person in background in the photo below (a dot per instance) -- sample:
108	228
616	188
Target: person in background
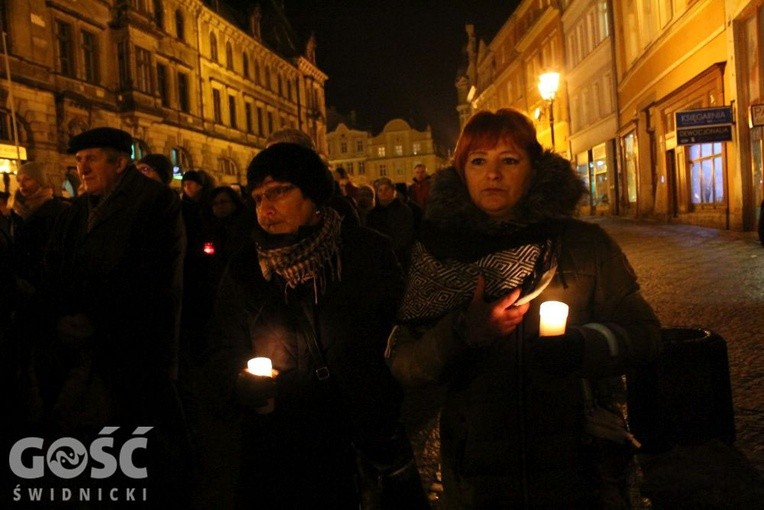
391	217
228	228
157	167
499	239
346	185
113	281
420	186
364	202
34	212
285	296
401	191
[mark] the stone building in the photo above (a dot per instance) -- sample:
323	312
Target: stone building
196	81
392	153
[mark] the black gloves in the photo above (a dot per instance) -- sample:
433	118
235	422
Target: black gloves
254	391
560	354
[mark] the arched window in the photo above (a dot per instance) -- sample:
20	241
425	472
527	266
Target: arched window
258	78
180	26
228	169
229	55
213	47
279	85
267	77
245	64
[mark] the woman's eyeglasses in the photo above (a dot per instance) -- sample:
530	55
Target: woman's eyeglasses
273	194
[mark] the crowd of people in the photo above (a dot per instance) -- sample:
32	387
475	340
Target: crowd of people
136	307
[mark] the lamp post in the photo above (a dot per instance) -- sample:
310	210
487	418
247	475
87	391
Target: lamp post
548	85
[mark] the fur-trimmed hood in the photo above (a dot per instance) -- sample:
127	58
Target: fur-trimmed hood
454	226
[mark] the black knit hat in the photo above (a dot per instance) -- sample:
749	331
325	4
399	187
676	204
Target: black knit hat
160	164
288	162
193	175
102	138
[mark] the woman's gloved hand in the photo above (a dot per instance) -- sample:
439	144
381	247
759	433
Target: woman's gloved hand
559	354
255	391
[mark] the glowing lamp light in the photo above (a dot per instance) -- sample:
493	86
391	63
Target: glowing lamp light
548	85
554	316
260	366
209	248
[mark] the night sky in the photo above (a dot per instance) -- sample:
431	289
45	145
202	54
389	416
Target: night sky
395	58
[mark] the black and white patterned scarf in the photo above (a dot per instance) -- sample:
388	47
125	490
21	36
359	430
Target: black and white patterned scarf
435	287
314	257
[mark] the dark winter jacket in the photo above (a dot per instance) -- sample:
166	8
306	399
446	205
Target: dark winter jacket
125	276
511	433
300	456
396	221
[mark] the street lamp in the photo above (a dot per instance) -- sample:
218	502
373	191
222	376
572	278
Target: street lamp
548	85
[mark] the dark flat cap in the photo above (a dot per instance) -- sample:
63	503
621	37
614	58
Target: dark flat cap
102	138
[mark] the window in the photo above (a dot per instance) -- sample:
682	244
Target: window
381	152
162	86
89	57
279	85
258	78
227	167
706	173
180	159
229	55
630	157
270	122
180	27
183	93
6	128
359	145
216	107
416	148
232	110
213	47
143	70
382	170
399	150
267	77
349	167
245	64
4	23
343	147
65	47
159	14
140	149
123	66
361	168
259	121
248	117
289	89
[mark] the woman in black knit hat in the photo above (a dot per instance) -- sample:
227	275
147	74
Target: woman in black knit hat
288	296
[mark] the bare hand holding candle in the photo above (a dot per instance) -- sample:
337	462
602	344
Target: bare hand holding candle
554	316
256	386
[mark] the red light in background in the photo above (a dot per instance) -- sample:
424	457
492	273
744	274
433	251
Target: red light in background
209	248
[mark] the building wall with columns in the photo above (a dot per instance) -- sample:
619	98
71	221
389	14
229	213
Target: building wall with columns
185	79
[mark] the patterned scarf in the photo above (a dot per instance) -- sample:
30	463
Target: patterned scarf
435	287
308	259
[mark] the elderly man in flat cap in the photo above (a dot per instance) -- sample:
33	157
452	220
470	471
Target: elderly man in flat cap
115	266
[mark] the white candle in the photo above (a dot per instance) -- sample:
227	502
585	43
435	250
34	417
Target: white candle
260	366
554	315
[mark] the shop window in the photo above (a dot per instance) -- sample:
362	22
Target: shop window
140	149
706	173
181	161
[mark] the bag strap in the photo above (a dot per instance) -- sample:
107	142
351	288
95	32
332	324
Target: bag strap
322	371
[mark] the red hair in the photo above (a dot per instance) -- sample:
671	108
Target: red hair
486	129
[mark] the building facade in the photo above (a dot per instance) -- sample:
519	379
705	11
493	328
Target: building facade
193	81
634	72
393	153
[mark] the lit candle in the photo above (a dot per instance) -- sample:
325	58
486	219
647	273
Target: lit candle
260	366
554	315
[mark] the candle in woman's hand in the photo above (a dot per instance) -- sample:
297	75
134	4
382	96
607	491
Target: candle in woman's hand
554	315
260	366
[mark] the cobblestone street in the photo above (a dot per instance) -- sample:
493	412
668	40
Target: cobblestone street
693	277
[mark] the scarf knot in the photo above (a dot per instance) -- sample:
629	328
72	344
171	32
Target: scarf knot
315	257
